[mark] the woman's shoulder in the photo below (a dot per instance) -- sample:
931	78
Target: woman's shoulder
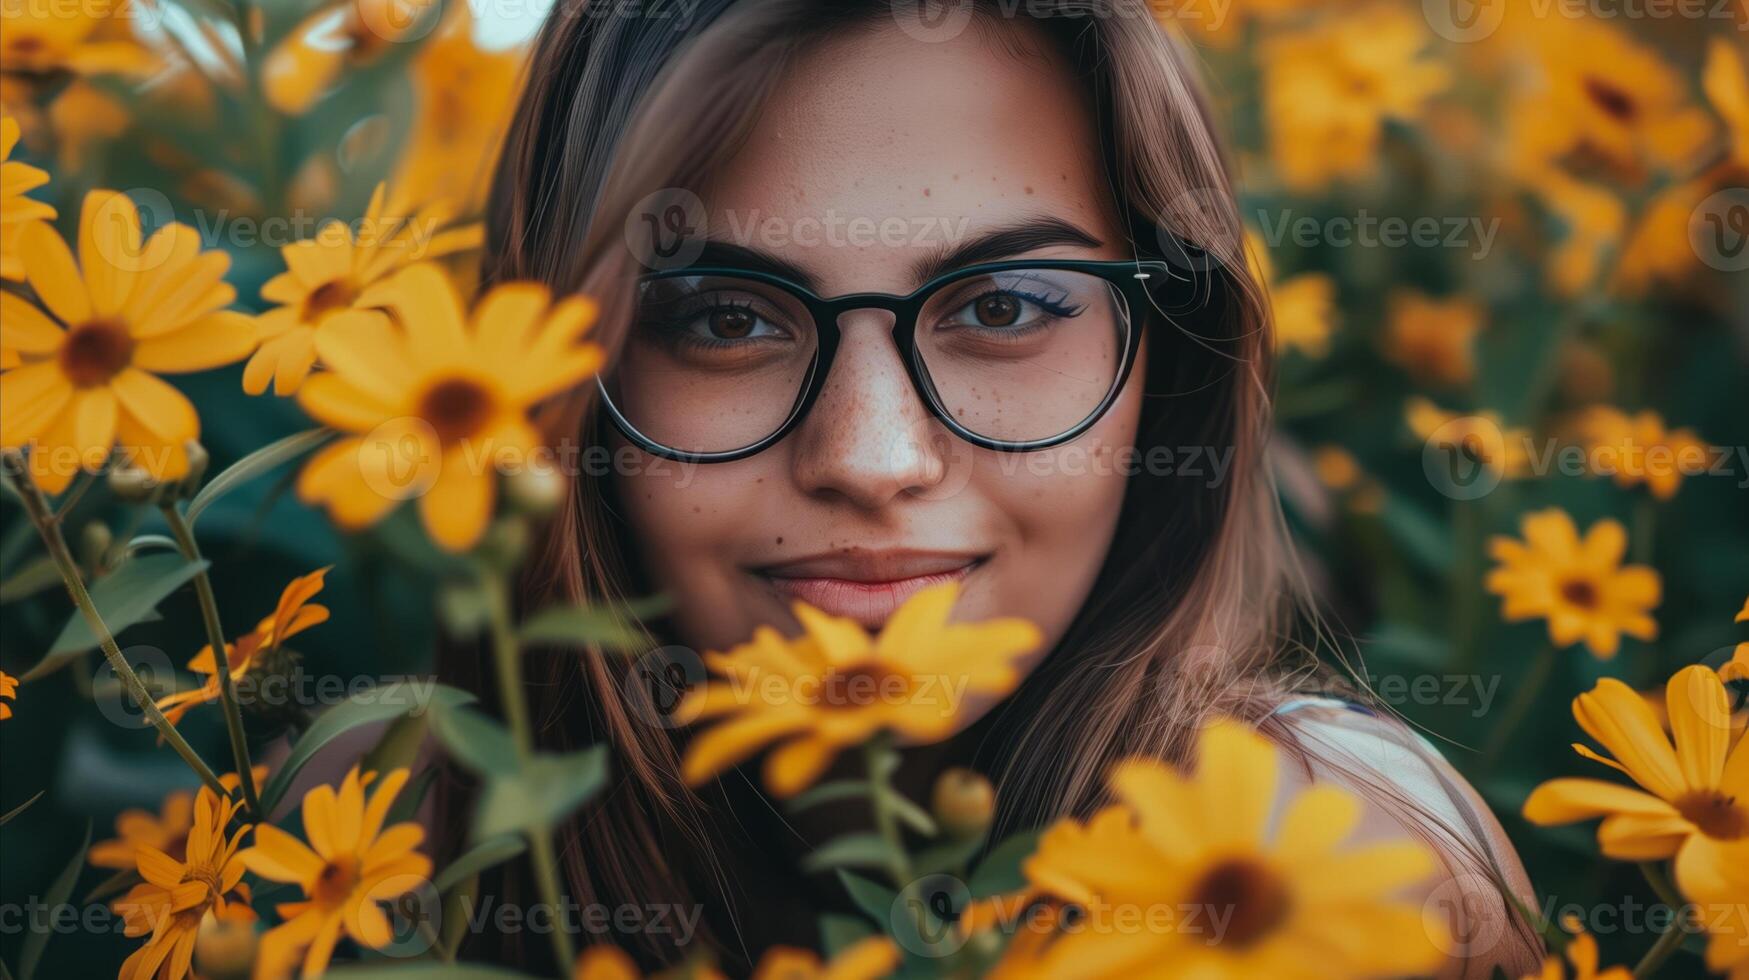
1410	790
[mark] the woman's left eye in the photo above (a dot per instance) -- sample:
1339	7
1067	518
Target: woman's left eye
1005	310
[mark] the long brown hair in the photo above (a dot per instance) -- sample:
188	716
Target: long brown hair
1192	612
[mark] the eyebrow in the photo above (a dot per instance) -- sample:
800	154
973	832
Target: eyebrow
1005	242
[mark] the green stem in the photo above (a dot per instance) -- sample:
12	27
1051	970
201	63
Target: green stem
880	793
1654	875
1667	944
71	499
1467	580
1645	524
1523	698
507	657
37	508
215	634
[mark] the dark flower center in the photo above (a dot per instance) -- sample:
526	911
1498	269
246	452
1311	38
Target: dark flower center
1250	898
855	687
1615	103
1718	816
1580	592
95	352
456	408
336	294
335	884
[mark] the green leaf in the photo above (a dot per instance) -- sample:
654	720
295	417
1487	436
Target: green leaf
875	900
423	971
30	952
839	932
949	857
406	805
42	573
253	465
849	851
613	627
838	789
543	793
486	854
478	743
367	707
912	814
999	873
123	598
6	818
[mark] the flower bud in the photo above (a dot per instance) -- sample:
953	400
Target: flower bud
133	485
225	949
504	542
535	490
198	458
94	541
964	802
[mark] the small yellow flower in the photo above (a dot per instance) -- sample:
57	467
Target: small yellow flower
8	692
866	959
1639	449
351	863
1721	892
1287	892
1727	85
294	614
1578	585
134	828
1483	436
305	65
1693	800
1328	91
332	273
85	38
835	687
1434	340
122	314
1738	667
181	893
1303	306
1582	953
17	180
437	402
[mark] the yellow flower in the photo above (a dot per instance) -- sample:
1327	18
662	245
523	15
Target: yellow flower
42	36
1579	585
448	394
1738	667
464	97
121	315
135	828
181	893
866	959
1483	436
1582	953
353	32
1595	221
351	863
8	692
1721	891
1328	91
294	614
1603	103
835	687
1434	340
17	179
1693	798
1273	895
331	273
1303	306
1639	449
1727	85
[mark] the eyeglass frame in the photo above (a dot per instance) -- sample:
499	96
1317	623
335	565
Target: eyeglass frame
1129	276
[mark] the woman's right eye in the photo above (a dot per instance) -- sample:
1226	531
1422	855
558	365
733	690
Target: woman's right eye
729	323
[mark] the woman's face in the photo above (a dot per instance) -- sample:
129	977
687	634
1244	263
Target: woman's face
869	499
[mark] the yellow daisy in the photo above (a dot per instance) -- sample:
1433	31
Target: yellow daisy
1721	892
1738	667
294	614
1582	954
1727	85
1303	306
351	863
1579	585
85	38
1693	798
8	692
866	959
332	272
835	687
1434	340
179	894
122	314
445	393
1301	899
1639	449
1483	435
305	65
134	828
17	180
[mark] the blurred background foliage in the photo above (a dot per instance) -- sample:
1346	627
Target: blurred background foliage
1565	158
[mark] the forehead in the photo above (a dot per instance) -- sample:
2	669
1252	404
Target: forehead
877	147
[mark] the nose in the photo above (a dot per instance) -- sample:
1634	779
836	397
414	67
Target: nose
868	438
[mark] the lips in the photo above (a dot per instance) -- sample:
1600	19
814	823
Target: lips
865	586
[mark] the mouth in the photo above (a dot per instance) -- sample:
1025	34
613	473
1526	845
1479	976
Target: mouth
865	586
